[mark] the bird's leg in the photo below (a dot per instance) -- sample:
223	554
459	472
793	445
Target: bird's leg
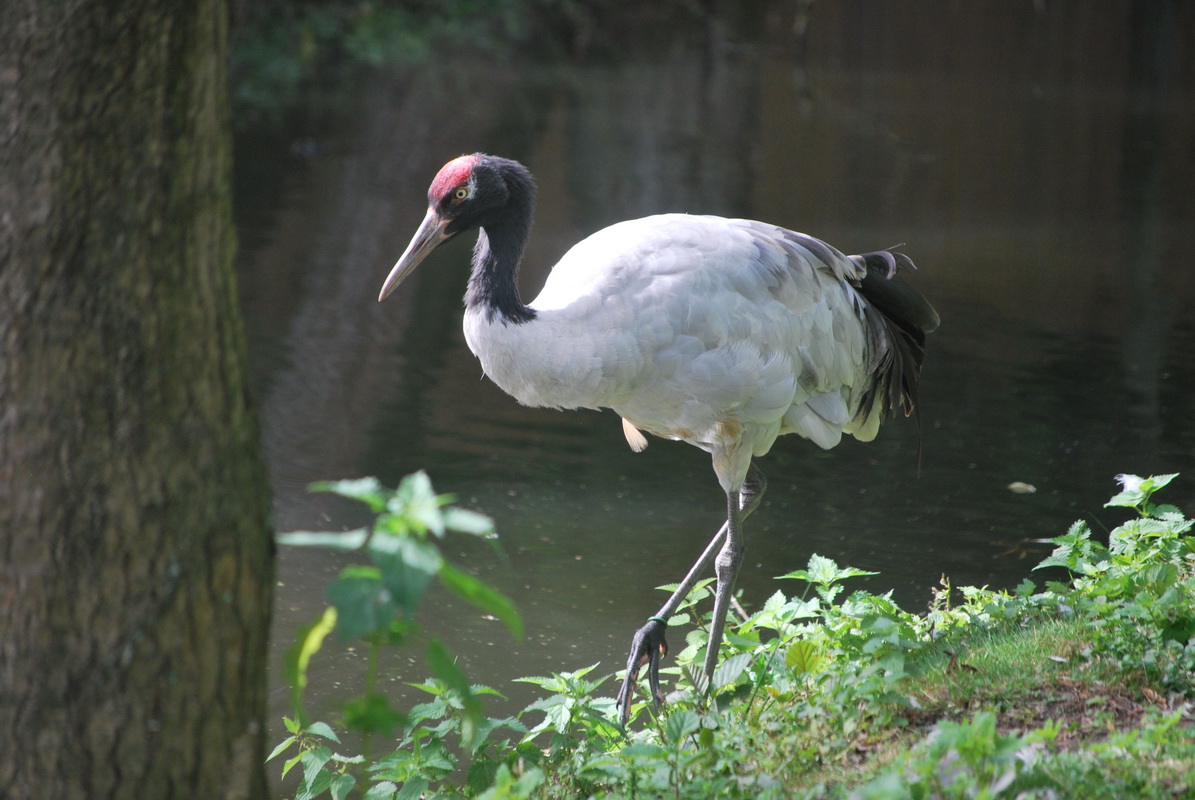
726	567
649	644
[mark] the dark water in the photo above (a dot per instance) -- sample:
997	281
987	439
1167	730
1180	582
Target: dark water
1037	160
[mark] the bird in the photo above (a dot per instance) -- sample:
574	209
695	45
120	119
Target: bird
722	333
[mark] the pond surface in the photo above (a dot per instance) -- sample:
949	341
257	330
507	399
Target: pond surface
1037	160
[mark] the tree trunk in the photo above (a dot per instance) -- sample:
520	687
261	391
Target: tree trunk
135	552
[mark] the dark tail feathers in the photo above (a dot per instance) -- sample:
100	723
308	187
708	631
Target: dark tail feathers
899	310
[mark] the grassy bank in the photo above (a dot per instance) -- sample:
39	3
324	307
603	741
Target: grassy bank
1078	687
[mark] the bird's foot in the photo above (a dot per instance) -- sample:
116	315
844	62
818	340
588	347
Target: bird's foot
648	647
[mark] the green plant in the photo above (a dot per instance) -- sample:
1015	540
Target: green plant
1139	591
814	694
376	602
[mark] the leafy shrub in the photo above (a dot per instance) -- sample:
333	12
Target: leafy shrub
1139	591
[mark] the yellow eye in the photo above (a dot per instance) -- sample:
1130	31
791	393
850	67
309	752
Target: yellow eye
462	193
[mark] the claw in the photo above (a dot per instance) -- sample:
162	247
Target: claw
648	647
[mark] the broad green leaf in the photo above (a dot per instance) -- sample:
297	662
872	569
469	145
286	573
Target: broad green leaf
824	571
481	595
349	540
644	750
1075	551
341	786
775	602
383	790
1137	491
803	657
1160	481
729	670
679	725
364	605
558	713
307	643
324	730
316	779
562	681
407	567
412	789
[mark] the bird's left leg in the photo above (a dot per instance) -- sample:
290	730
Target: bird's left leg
726	568
649	644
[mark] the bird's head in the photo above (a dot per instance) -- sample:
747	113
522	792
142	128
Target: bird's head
468	192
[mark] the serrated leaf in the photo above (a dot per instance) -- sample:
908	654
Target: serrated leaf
324	730
695	676
1159	481
643	750
679	725
481	595
729	670
412	789
382	790
824	571
316	779
341	786
803	656
775	602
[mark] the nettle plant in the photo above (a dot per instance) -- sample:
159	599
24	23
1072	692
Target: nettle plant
376	603
1139	590
805	679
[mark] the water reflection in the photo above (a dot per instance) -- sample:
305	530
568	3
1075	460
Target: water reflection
1040	176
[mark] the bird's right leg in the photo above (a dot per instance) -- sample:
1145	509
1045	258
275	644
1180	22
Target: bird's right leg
649	644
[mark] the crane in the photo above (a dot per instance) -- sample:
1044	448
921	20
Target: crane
723	333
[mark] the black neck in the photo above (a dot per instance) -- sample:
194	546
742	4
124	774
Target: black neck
493	284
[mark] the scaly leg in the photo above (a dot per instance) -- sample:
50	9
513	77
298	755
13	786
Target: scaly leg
649	644
726	567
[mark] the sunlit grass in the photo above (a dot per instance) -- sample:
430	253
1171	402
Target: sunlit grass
990	666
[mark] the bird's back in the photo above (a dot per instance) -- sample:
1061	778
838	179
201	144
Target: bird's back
701	328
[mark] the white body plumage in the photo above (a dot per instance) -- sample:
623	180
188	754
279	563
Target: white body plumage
719	332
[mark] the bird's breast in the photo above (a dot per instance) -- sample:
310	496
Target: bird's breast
547	361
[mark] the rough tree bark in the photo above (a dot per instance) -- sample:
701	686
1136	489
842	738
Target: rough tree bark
135	552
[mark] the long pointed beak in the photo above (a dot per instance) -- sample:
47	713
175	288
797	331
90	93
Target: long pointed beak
431	234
